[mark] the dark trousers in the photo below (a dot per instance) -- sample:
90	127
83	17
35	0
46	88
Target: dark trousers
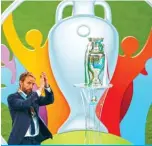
30	141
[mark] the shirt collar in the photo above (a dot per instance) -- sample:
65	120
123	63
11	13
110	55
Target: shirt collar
22	93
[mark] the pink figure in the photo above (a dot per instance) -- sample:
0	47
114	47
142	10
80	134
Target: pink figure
10	64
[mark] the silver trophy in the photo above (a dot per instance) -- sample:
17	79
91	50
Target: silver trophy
94	62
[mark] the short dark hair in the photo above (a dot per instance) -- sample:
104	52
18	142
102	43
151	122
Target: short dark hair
24	75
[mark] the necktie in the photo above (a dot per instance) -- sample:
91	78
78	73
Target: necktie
32	111
32	122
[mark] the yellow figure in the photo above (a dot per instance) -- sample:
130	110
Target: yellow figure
36	61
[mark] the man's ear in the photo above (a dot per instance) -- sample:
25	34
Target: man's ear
20	83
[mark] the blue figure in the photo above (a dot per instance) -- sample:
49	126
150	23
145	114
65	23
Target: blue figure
134	123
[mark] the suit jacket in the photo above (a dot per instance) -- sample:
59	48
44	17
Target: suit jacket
19	110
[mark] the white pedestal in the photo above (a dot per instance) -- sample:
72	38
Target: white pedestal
90	97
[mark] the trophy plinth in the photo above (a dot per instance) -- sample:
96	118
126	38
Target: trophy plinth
91	95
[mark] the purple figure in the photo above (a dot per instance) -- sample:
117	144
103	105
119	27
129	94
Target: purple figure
10	64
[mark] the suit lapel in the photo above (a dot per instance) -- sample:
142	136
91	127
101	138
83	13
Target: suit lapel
35	105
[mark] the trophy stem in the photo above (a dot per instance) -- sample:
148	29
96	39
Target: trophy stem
96	80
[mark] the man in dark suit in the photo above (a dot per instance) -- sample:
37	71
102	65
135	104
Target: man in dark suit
27	126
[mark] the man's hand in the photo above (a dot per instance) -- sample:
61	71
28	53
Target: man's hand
42	83
45	80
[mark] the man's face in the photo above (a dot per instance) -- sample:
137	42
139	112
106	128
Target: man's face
27	85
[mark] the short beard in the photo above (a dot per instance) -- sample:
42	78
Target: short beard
25	91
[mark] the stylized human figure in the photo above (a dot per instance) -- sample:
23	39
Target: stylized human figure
134	123
127	69
35	61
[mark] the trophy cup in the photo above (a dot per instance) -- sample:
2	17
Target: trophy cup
95	60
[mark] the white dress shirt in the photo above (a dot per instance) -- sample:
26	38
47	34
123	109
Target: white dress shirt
35	119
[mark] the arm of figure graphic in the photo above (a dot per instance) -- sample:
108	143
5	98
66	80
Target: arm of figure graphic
16	44
15	102
49	96
146	52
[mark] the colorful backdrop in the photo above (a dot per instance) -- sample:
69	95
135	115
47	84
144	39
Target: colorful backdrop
127	107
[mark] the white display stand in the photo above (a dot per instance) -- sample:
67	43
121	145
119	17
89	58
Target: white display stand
90	97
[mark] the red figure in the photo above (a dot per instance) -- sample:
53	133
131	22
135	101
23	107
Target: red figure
118	98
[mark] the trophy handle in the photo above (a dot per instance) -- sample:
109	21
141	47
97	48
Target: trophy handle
60	9
107	10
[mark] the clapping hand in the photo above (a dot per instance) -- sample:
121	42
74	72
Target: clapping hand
43	75
45	80
42	83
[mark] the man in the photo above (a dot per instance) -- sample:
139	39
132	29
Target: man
27	126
